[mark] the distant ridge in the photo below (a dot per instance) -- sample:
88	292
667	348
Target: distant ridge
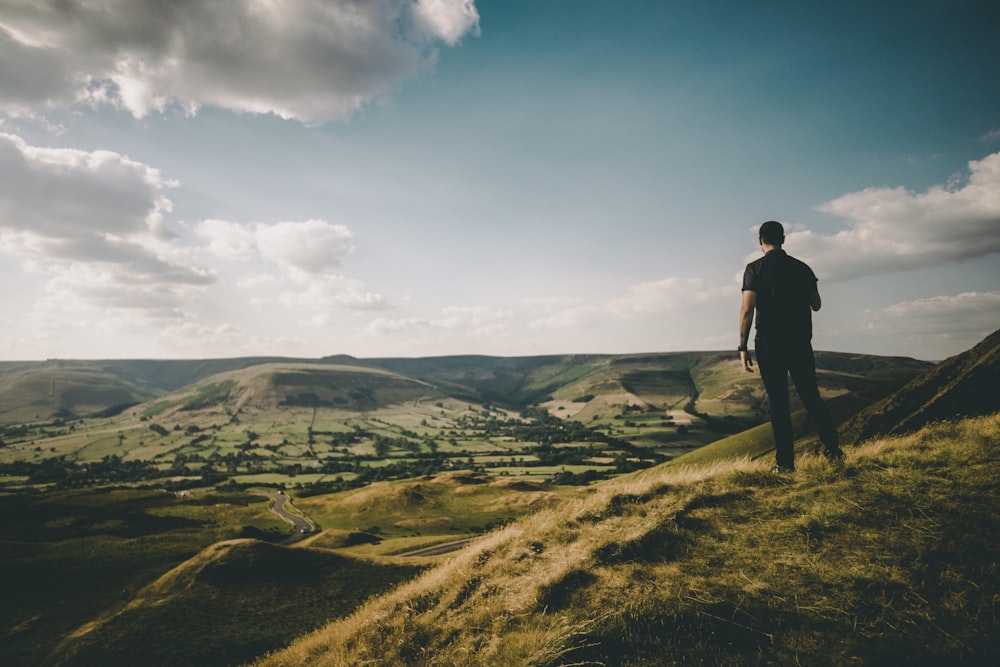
581	385
967	384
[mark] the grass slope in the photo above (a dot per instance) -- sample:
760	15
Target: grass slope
758	442
965	384
68	557
890	560
54	392
267	387
232	601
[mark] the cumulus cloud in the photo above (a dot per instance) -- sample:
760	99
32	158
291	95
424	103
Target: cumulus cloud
312	247
92	222
229	240
448	20
308	253
892	229
311	60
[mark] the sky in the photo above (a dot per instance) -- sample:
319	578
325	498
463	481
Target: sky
408	178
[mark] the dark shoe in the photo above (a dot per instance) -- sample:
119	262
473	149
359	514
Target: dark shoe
834	455
782	470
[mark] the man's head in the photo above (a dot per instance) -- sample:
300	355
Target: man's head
772	233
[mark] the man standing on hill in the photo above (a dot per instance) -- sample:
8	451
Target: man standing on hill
783	293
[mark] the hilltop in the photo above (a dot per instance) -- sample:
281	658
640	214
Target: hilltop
891	560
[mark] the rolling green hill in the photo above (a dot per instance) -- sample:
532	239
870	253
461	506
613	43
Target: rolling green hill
65	389
710	381
271	386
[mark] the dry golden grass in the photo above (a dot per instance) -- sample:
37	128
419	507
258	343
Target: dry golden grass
891	558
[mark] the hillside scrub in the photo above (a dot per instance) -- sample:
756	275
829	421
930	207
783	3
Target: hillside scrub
891	559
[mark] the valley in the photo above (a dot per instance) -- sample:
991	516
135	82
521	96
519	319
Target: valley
145	528
337	424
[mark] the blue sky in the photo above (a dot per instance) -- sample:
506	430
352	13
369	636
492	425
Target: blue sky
432	177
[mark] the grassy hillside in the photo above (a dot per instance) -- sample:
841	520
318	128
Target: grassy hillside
267	387
63	392
61	388
229	603
68	557
890	560
109	577
966	384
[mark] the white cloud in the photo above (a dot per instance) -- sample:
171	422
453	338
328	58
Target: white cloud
977	312
308	255
92	222
891	229
447	19
312	60
940	323
312	247
229	240
62	193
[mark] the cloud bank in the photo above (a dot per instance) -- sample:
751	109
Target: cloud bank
890	230
309	60
947	322
92	222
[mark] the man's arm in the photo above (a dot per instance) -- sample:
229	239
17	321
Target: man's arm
746	321
814	301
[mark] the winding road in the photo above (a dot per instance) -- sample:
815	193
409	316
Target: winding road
282	505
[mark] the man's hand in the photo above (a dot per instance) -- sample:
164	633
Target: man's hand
747	360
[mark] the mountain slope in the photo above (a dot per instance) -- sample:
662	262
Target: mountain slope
724	564
966	384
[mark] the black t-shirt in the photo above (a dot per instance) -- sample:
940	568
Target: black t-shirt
784	286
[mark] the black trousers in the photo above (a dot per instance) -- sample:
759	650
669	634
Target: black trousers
776	362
